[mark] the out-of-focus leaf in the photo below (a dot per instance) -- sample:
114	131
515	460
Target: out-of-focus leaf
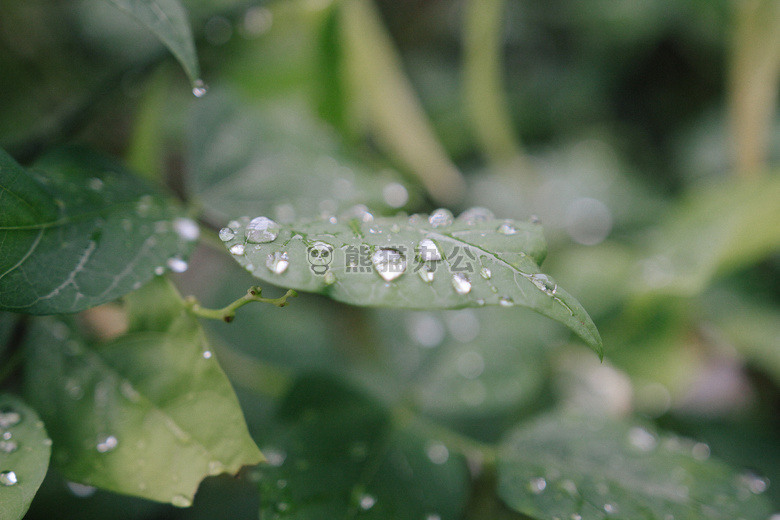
149	414
24	456
277	160
337	455
167	20
415	263
715	230
595	468
83	232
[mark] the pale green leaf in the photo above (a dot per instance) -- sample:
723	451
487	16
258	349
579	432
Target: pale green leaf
81	232
149	414
24	456
392	262
167	20
562	466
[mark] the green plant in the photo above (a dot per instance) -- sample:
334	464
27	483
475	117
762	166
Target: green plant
405	377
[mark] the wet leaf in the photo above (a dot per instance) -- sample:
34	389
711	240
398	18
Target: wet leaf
79	230
167	20
150	414
595	468
24	456
336	455
420	262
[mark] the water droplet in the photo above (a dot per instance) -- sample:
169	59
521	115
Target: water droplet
181	501
610	509
177	265
441	217
700	451
274	457
261	230
754	482
506	301
216	467
359	212
367	502
544	283
95	184
8	446
7	436
8	478
476	215
277	262
9	418
507	229
471	365
187	229
426	274
485	273
642	439
428	250
226	234
159	270
106	443
395	195
389	263
537	485
437	452
199	88
329	278
237	249
207	354
461	283
426	329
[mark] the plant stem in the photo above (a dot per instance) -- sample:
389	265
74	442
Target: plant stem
227	313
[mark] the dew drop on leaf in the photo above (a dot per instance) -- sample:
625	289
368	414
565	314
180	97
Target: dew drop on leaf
329	278
186	228
537	485
389	263
461	283
428	250
485	273
476	215
106	443
277	262
8	478
426	274
199	88
507	229
177	265
506	301
261	230
440	218
367	502
8	446
544	282
237	249
9	418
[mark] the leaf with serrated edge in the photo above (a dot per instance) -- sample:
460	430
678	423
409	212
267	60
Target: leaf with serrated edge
150	414
24	456
167	20
483	261
563	466
83	233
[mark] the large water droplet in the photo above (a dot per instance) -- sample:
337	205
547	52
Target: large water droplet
177	265
199	88
476	215
237	249
507	228
106	443
441	217
537	485
426	274
367	502
389	263
544	282
428	250
461	283
277	262
8	478
226	234
9	418
261	230
8	446
181	501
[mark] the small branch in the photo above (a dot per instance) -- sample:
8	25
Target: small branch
226	314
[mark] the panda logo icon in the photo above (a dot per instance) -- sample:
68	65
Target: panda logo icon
320	255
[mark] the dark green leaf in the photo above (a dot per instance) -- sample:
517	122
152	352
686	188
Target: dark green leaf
336	455
277	160
149	414
83	232
167	20
24	456
392	262
595	468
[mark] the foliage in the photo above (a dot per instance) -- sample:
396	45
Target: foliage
408	379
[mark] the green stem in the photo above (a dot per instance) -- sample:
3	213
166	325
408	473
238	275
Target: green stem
228	313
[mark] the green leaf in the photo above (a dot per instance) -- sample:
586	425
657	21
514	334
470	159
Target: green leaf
149	414
82	233
25	449
392	262
563	466
336	455
715	230
167	20
278	160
